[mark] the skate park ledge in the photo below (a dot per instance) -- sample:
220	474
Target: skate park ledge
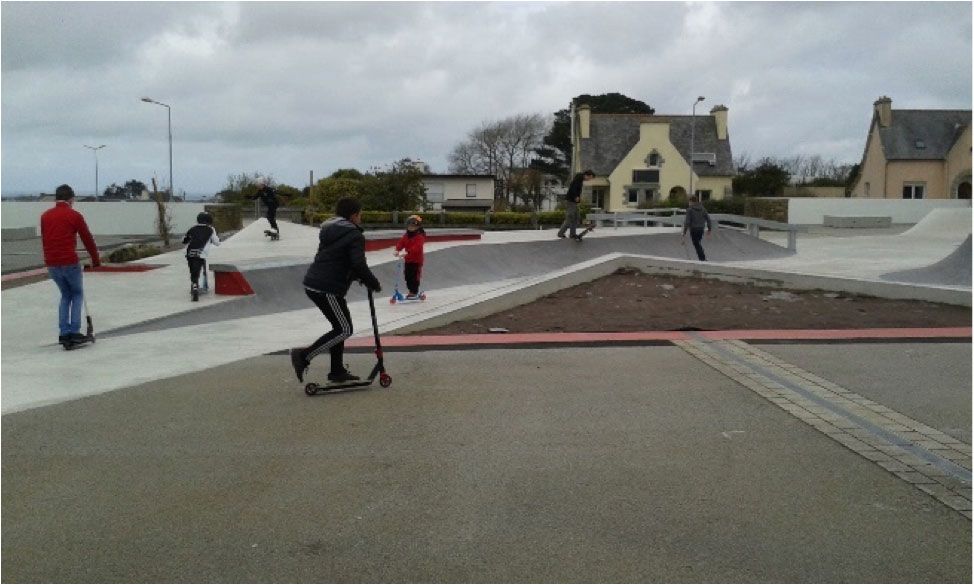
382	239
506	298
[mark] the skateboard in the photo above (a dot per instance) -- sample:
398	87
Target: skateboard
273	235
385	380
588	227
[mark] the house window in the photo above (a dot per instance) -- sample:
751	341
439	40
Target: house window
704	194
598	197
645	176
632	196
867	188
471	189
913	190
434	195
654	159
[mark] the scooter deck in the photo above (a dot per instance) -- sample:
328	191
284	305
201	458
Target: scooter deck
313	388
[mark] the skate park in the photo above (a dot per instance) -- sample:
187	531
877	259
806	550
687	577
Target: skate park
181	447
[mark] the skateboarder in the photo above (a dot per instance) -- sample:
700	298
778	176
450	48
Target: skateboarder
572	197
268	196
410	248
199	238
60	227
695	220
339	261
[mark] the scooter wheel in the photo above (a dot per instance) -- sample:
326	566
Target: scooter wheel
311	389
385	380
392	301
422	297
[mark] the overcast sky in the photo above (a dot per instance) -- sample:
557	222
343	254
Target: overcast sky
288	88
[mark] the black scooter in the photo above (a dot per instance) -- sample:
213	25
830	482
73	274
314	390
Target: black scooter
385	380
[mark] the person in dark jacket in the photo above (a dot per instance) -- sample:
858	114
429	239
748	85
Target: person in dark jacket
268	197
572	197
60	227
198	240
340	261
694	222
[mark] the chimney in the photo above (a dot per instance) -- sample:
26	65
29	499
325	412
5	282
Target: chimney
584	119
720	117
884	110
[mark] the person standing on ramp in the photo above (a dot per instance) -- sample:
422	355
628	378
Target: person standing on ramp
268	197
572	198
339	261
694	222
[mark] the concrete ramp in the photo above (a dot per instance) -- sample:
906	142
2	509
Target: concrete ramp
954	270
279	288
942	224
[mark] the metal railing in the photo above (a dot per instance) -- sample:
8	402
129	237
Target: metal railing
675	217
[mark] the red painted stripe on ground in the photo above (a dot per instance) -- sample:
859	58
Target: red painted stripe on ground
503	339
25	274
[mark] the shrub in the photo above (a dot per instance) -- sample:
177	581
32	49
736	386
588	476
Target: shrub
510	218
129	252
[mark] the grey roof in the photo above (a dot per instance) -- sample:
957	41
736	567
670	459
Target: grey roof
938	129
612	136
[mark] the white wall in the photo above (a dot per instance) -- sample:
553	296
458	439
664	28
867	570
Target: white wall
812	210
105	219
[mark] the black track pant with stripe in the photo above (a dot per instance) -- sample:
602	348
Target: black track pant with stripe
335	309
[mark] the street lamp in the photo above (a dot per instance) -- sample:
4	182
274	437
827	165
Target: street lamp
95	150
693	127
172	188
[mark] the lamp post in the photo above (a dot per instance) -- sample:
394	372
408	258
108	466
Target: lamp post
693	127
172	188
95	150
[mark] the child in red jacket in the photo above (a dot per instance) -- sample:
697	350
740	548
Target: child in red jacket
410	248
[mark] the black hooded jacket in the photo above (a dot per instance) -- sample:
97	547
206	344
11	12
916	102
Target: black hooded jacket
340	259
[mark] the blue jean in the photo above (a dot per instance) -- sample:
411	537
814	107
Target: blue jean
68	280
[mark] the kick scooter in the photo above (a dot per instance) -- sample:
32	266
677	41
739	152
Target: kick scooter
385	380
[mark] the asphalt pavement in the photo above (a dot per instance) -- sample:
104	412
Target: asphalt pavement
186	451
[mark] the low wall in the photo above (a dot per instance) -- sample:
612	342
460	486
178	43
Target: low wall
812	211
105	218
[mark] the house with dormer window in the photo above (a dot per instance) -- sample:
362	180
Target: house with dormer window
640	160
916	154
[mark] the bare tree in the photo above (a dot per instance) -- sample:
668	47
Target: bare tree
500	148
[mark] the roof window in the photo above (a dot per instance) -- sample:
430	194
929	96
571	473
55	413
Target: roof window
705	157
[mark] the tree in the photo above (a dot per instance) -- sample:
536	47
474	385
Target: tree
768	179
396	187
555	155
500	148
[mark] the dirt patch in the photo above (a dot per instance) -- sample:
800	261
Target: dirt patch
633	301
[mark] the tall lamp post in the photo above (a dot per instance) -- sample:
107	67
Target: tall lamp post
95	150
693	127
172	188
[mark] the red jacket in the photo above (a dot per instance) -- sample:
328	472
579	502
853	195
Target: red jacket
60	226
413	246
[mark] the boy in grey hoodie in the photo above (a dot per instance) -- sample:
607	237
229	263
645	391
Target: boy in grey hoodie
696	219
340	261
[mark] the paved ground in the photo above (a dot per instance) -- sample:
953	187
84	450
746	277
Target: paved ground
543	465
187	453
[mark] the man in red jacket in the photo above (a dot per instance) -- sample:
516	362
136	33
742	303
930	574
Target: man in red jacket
60	227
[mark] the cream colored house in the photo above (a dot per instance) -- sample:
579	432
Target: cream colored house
459	192
641	159
916	154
